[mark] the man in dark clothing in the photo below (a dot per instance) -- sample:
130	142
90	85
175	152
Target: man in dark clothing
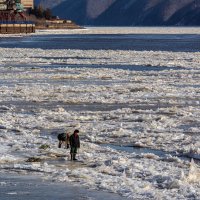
74	144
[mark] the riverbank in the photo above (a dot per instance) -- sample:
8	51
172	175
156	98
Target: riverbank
57	24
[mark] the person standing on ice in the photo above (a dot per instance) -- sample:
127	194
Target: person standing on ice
74	144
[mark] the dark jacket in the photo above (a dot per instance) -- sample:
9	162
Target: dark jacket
74	140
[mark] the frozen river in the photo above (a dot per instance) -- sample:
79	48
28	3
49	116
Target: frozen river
122	88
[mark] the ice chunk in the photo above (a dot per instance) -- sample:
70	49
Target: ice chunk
194	173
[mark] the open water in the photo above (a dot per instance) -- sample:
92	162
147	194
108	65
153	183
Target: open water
147	42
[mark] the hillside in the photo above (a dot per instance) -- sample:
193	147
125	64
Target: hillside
128	12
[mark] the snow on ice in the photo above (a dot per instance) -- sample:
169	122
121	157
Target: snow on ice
157	108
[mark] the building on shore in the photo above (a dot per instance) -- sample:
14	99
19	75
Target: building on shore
27	3
13	18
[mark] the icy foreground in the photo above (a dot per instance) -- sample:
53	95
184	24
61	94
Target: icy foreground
42	92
